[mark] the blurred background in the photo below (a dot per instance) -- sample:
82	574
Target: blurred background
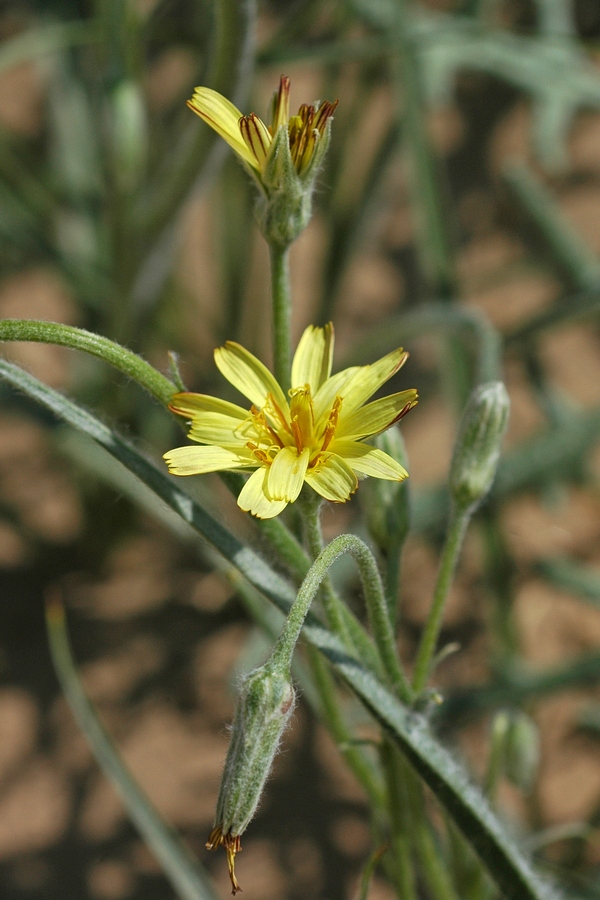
458	214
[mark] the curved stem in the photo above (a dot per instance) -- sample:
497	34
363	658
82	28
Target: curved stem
340	619
452	547
376	606
282	314
161	388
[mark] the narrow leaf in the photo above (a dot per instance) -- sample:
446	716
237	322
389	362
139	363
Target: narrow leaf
184	872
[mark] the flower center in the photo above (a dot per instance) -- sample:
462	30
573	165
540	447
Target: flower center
271	428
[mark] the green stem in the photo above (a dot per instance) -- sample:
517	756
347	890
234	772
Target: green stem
183	871
332	605
400	821
282	314
317	573
373	589
339	618
432	862
77	339
452	547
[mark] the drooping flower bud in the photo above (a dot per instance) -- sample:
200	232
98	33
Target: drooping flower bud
264	709
478	444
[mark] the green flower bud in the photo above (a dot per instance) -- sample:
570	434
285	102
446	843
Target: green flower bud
264	709
477	447
285	210
514	750
522	751
130	138
387	506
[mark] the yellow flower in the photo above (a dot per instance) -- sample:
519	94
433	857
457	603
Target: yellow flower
253	140
315	437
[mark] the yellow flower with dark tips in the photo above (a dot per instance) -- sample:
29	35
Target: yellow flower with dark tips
315	435
253	140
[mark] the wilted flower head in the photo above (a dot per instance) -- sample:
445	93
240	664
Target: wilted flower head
262	713
315	435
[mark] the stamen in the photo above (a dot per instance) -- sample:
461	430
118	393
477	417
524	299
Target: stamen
272	406
260	421
324	112
306	114
332	423
260	455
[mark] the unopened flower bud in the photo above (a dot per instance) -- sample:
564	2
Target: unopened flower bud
129	133
522	751
264	709
514	750
478	444
387	506
285	209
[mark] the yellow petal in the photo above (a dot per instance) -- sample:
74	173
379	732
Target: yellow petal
224	118
369	379
375	417
332	478
216	428
189	404
313	357
256	137
367	460
286	475
253	499
199	460
248	375
332	388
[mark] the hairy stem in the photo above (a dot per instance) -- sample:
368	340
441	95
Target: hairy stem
282	314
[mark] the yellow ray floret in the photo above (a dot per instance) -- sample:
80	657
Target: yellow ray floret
314	435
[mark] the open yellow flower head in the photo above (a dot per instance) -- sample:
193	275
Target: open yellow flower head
254	141
315	435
